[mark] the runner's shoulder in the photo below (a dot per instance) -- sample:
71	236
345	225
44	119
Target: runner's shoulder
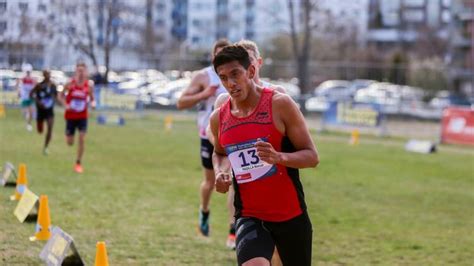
221	99
200	78
278	88
281	99
200	74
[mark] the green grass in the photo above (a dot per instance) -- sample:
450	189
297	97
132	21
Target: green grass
370	204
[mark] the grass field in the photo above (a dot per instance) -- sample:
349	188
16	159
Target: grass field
371	204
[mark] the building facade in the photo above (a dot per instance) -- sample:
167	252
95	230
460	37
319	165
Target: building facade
461	48
24	33
398	22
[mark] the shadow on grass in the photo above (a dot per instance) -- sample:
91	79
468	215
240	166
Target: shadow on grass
72	260
31	218
10	184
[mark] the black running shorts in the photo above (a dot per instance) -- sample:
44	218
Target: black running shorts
206	154
257	238
72	124
44	114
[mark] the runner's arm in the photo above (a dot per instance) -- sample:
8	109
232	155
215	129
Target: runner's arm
222	167
62	96
196	91
306	154
33	95
219	102
55	92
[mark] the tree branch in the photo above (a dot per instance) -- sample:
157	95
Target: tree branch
307	27
90	36
294	37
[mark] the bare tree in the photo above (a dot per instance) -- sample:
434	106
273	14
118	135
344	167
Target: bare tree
112	11
301	44
89	48
82	39
149	33
83	36
429	44
301	38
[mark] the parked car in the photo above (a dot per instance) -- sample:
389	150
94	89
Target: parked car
327	92
7	79
358	84
170	93
291	88
445	99
326	86
134	87
386	95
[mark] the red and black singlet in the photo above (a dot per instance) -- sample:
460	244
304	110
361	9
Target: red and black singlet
267	192
77	97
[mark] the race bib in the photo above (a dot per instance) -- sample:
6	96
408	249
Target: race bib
47	102
78	105
246	164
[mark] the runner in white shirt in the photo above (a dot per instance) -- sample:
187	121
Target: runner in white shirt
202	92
24	86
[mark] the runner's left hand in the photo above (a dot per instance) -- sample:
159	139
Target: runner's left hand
223	182
267	153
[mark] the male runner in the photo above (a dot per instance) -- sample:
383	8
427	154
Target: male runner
24	87
257	61
203	90
76	96
45	94
261	136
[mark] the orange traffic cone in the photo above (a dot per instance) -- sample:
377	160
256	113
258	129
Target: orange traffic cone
43	225
21	182
101	258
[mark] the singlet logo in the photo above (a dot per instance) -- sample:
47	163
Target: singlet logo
78	93
246	164
262	115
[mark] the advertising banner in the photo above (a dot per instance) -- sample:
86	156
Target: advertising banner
353	114
457	125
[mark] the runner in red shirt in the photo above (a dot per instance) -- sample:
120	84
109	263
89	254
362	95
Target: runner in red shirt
76	96
257	61
262	139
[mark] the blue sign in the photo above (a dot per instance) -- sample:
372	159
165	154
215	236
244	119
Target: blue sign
353	114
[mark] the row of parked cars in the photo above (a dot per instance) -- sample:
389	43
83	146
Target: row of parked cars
393	99
154	88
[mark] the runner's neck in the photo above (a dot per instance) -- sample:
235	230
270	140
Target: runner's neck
246	107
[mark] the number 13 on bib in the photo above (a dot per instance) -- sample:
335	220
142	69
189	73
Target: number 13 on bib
246	164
